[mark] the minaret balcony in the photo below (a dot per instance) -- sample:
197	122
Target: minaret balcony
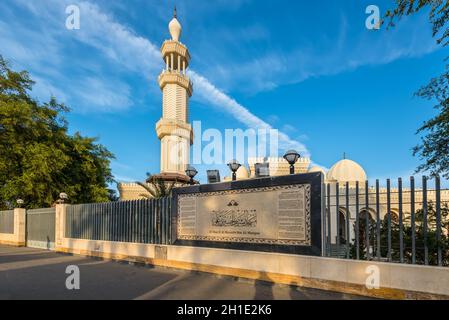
172	127
177	48
175	77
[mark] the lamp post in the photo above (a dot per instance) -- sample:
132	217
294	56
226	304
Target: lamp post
291	157
20	202
63	197
234	166
191	173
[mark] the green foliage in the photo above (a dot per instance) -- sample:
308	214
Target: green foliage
38	158
362	236
434	147
156	187
432	239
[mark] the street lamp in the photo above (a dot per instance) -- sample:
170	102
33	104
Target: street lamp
63	197
19	202
292	156
191	173
234	166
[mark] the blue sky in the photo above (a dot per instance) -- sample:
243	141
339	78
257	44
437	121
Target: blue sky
308	68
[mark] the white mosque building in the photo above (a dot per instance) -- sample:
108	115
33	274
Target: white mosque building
176	136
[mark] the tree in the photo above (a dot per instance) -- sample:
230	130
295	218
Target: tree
434	146
156	187
395	231
363	229
38	158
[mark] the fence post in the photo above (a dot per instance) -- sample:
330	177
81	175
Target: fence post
329	220
389	218
367	221
413	222
20	227
438	217
60	217
424	205
357	220
401	222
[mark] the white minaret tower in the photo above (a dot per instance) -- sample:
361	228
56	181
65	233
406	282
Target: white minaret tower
173	129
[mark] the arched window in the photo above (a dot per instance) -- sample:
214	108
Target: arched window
394	216
342	228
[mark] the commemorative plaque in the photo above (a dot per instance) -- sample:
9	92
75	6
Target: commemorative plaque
277	214
270	215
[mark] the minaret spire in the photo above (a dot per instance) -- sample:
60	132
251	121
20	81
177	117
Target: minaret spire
173	129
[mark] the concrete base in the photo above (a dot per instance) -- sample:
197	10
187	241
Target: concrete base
345	276
12	243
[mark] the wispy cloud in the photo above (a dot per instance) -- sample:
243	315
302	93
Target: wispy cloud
45	47
212	95
122	47
125	48
106	95
273	66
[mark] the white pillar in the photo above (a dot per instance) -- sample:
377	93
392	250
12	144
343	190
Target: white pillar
171	57
20	226
166	63
184	66
179	63
60	217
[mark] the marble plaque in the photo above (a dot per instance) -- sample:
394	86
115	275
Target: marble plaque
268	215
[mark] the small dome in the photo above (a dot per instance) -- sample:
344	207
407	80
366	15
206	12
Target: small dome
346	171
242	173
175	29
317	169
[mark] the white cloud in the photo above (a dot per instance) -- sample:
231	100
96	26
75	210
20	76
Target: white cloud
273	66
116	41
209	93
125	49
107	96
44	47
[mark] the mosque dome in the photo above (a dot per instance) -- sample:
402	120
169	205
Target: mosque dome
346	171
317	169
242	173
175	28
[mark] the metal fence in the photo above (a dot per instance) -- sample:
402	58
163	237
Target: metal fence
404	224
139	221
40	228
7	221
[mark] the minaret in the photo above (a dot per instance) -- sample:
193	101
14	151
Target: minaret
173	129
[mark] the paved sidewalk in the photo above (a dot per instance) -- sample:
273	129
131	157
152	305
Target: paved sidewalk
27	273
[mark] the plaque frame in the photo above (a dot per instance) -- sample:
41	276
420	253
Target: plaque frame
313	180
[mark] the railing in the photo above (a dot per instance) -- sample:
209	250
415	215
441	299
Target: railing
139	221
404	225
7	221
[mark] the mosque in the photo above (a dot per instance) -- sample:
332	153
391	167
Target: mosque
176	136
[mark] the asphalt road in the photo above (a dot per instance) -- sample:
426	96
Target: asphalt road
27	273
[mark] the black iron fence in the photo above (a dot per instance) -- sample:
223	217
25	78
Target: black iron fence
139	221
7	221
404	224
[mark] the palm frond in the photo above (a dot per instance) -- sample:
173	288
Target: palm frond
148	189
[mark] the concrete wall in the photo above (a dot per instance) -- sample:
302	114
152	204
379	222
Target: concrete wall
18	237
396	281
